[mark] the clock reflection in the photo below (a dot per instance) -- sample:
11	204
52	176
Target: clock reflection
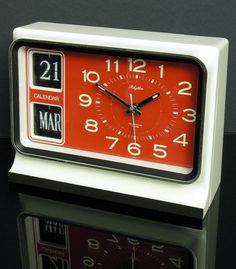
114	242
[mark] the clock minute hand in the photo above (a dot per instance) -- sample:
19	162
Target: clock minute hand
148	100
102	88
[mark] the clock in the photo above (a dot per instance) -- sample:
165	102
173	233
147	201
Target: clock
119	115
136	110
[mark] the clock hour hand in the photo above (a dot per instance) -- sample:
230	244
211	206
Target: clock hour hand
148	100
102	88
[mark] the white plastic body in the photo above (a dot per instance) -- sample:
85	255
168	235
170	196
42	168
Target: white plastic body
212	52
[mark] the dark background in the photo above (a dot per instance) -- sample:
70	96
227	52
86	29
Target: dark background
198	17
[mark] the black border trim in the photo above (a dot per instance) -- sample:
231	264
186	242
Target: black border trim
122	167
108	201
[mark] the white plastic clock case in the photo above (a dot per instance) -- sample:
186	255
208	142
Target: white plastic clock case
212	52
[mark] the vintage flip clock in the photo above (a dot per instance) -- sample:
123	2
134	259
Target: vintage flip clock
118	137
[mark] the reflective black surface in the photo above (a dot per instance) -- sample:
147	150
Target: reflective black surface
9	208
77	246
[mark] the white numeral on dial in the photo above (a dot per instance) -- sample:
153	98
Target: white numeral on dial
186	89
109	65
191	114
91	125
114	141
160	151
91	76
161	67
134	149
182	139
137	65
85	100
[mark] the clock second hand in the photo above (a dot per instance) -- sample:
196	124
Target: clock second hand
133	117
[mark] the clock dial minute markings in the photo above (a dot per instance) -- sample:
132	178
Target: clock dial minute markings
104	89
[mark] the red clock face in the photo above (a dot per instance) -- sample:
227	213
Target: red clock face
133	112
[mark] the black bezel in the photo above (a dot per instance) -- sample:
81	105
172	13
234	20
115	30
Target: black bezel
121	167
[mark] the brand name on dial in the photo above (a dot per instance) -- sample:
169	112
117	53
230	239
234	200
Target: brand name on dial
136	88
